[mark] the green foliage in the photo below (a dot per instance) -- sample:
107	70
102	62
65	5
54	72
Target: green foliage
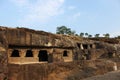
64	30
81	34
89	36
86	34
68	31
76	35
17	27
107	35
118	37
97	35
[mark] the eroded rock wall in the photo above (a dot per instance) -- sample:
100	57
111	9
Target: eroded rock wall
59	71
28	37
3	57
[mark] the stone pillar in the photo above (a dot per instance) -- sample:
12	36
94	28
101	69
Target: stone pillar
22	53
88	46
93	46
9	52
81	46
115	67
114	54
71	55
50	55
35	54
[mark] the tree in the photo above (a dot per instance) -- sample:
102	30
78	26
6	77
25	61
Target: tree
81	34
61	30
89	36
76	35
64	30
118	37
86	34
97	35
107	35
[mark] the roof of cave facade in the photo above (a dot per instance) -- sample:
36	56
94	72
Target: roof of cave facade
29	37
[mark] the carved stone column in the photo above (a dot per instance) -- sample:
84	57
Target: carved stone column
35	54
93	46
22	53
81	46
9	52
88	46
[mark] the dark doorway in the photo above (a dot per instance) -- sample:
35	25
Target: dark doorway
85	46
65	54
15	53
91	46
110	55
29	53
87	56
43	56
78	44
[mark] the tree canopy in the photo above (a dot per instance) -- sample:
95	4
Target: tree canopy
64	30
107	35
81	34
67	31
97	35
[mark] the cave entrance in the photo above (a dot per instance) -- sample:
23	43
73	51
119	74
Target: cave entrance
87	56
43	56
110	55
15	53
91	46
65	54
78	45
85	46
29	53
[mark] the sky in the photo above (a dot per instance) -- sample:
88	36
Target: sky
91	16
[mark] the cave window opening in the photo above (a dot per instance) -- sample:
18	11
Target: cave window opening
29	53
78	45
85	46
65	54
91	45
110	55
15	53
43	55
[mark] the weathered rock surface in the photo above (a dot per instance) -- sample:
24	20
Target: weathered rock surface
86	55
59	71
28	37
115	75
3	57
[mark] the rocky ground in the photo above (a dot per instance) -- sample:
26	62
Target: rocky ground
84	75
98	67
115	75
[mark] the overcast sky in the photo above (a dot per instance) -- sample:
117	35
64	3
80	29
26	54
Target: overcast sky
91	16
